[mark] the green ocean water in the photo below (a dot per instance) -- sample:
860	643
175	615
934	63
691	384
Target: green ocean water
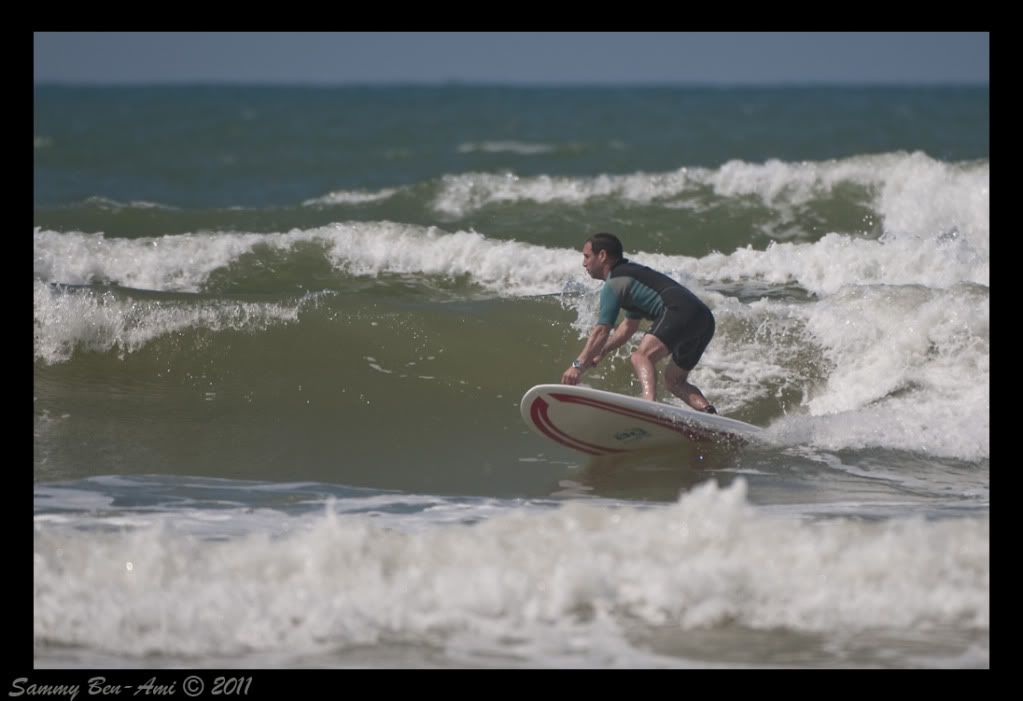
255	305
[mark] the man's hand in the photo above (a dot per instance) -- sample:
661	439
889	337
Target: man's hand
571	376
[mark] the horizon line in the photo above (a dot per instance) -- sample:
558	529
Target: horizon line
235	82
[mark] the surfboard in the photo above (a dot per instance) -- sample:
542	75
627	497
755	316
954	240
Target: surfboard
598	422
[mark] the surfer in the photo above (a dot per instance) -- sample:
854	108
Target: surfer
683	325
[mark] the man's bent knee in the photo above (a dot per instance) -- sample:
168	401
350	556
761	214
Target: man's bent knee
652	352
640	358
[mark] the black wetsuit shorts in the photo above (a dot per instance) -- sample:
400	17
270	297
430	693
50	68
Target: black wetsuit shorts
685	330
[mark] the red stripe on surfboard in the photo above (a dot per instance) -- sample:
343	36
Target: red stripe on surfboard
680	428
538	412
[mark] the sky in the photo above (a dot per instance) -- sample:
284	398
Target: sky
539	58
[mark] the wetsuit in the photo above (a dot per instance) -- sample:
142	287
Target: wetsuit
682	322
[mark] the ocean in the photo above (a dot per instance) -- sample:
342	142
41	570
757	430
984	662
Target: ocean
280	335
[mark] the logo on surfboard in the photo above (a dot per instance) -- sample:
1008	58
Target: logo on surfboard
632	435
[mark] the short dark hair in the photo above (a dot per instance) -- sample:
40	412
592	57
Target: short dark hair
606	242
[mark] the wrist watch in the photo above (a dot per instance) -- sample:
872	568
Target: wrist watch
577	365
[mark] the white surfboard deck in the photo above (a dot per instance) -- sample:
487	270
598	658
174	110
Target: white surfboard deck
598	422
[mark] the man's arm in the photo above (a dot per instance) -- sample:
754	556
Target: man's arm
621	334
594	344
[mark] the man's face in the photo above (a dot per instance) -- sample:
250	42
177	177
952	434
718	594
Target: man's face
594	263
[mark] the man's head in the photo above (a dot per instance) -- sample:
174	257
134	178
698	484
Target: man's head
600	253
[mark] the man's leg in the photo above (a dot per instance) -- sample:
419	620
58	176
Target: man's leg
675	378
644	359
